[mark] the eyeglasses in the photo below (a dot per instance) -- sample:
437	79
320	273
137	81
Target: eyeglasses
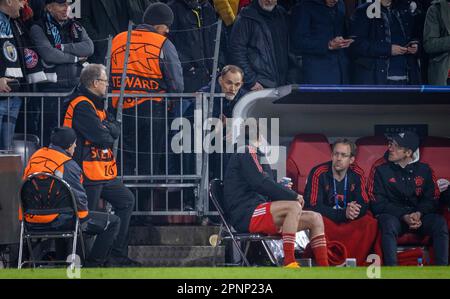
103	80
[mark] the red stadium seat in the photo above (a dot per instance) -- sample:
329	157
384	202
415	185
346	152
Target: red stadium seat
306	151
413	239
370	149
435	151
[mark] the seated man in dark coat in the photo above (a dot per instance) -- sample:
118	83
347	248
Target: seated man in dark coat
405	197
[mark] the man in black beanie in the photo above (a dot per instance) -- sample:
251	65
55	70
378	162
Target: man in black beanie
57	160
153	67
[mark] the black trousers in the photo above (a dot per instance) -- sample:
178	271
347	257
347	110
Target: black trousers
433	225
144	137
105	227
122	201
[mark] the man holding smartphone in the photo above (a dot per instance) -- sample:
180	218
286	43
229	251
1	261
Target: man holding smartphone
318	37
385	49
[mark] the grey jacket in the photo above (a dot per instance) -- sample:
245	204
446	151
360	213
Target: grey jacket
436	41
170	64
64	60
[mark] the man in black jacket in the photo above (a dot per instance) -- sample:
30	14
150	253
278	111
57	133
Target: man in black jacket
96	132
320	37
103	18
193	33
259	44
404	197
256	203
385	49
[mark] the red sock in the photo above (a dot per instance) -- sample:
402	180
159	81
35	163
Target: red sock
288	248
320	250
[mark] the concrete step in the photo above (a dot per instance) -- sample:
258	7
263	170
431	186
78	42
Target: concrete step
172	235
176	256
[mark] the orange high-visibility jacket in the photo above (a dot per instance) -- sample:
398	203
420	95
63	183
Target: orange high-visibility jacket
49	161
98	164
144	73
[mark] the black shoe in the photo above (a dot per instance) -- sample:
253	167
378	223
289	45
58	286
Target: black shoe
122	262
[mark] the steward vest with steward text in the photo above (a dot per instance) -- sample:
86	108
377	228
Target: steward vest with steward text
144	73
49	161
97	164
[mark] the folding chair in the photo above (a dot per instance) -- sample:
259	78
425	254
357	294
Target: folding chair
44	194
227	232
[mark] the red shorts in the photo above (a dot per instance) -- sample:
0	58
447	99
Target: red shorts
262	221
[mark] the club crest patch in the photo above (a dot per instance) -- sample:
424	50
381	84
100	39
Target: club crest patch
31	58
10	51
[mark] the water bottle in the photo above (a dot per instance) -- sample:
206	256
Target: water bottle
419	262
285	181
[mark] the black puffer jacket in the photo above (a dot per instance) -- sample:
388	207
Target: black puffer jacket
252	47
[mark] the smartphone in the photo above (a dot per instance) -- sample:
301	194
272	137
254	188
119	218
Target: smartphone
351	37
411	43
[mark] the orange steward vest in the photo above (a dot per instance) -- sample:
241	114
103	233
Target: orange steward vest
143	71
98	164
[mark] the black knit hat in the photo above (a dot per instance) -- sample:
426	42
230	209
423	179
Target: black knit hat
408	140
63	137
158	14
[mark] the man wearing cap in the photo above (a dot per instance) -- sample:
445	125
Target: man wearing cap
57	160
153	67
405	197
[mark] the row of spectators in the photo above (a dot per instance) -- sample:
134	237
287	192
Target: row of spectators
278	42
274	42
406	44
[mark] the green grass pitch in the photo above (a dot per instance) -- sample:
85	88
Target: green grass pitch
232	273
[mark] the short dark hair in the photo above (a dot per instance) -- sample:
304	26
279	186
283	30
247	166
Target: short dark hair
233	69
90	73
348	142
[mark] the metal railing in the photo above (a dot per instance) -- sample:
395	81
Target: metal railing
178	187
